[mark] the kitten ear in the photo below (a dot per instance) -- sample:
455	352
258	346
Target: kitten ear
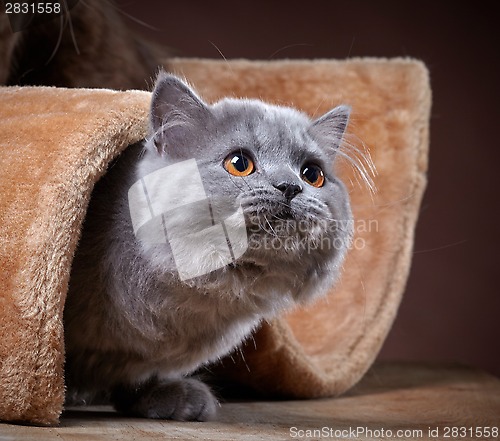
175	111
330	127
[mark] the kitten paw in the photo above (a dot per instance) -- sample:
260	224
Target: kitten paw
182	400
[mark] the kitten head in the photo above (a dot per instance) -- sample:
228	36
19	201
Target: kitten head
273	163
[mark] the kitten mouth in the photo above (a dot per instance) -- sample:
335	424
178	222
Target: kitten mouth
270	216
270	210
285	213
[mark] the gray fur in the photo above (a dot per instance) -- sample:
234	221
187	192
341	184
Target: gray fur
131	324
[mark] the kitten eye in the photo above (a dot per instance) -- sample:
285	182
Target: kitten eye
239	164
313	175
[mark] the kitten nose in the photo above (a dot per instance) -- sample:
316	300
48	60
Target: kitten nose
289	190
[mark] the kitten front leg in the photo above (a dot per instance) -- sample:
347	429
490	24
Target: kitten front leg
183	399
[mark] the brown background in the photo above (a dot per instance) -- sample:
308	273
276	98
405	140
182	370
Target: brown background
451	309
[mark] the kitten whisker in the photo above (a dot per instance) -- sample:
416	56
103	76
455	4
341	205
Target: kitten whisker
287	47
71	30
235	183
270	226
222	55
361	162
134	19
59	39
313	115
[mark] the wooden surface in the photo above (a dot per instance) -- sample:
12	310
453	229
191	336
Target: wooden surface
391	397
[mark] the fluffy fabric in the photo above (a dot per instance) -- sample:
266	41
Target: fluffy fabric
56	143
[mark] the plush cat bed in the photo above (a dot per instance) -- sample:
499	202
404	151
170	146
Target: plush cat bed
56	143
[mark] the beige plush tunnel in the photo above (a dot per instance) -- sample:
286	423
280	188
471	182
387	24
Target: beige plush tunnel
56	143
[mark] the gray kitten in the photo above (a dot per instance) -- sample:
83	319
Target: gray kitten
149	303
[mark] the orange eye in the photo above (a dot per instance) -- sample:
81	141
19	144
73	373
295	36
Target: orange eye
313	175
239	164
